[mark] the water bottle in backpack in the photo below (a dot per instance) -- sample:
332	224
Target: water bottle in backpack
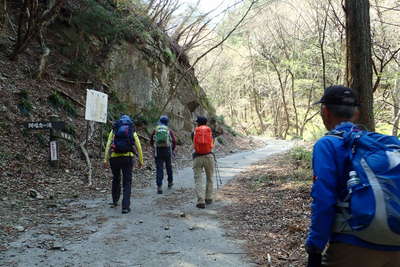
371	210
353	181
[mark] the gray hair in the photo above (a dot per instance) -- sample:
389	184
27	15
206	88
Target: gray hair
342	111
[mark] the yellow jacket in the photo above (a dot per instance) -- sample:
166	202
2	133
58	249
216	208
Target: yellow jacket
127	154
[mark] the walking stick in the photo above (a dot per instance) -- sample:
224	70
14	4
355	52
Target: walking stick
217	173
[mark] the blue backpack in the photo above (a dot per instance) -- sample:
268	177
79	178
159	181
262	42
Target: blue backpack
371	210
123	135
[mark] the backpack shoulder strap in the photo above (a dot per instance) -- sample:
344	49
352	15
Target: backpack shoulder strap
336	133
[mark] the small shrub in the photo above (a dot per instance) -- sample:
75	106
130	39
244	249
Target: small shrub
301	155
41	139
70	129
79	68
99	20
59	101
220	140
231	131
169	55
24	105
150	114
220	119
115	110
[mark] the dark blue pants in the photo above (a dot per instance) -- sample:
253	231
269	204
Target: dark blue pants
124	165
163	156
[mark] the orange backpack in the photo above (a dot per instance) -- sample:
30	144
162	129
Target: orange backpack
203	141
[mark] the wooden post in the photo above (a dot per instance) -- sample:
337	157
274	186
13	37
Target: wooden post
101	140
53	146
87	133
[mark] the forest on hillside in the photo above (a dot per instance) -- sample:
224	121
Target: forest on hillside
265	78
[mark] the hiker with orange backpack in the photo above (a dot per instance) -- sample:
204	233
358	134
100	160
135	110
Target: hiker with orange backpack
203	158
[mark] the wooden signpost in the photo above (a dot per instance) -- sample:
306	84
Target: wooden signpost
55	129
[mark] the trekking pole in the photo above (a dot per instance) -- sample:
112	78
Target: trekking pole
217	173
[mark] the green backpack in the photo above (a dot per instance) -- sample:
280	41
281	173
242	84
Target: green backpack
161	137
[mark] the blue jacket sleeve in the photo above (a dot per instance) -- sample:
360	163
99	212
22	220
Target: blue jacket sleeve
324	194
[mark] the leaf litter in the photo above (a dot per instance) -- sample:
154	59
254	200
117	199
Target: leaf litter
270	209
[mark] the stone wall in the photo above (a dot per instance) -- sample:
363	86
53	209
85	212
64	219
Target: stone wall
140	82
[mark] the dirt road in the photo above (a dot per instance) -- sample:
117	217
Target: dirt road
161	230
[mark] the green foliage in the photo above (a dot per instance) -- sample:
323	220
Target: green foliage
99	20
115	107
151	113
169	55
69	128
261	180
220	119
301	155
24	104
314	132
384	128
231	130
80	68
41	139
59	101
220	140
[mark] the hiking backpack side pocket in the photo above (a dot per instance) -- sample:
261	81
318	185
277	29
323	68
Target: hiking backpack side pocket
373	212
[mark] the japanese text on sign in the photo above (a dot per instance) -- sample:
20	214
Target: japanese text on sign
96	106
53	151
39	125
44	125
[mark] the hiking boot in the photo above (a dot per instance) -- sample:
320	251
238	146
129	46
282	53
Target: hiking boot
201	205
113	204
170	185
124	211
209	201
159	190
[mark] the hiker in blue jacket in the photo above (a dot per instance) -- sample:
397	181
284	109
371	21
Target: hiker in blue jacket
331	167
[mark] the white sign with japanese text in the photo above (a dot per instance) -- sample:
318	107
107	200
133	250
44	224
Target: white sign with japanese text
53	151
96	106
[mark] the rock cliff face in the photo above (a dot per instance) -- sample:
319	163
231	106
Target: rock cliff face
145	73
145	84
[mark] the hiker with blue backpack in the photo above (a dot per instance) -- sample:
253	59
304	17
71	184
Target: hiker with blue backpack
122	144
356	190
164	142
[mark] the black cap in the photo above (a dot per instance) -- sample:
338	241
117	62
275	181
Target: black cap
201	120
338	95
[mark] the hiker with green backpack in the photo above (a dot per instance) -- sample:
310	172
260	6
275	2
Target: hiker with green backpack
164	143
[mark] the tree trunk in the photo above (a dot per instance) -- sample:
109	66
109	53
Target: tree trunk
396	108
296	113
358	57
